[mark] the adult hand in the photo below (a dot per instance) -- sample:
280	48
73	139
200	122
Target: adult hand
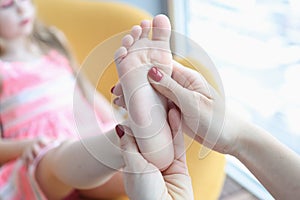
201	106
143	180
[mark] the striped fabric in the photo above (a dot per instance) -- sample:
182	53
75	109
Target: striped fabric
36	100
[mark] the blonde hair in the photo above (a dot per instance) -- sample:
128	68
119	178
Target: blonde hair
48	38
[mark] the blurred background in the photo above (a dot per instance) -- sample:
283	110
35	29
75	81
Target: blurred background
256	48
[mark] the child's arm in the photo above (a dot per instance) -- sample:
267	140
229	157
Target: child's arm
12	149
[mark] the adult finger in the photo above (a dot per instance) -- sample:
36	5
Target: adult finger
192	80
176	130
168	87
117	89
120	101
134	161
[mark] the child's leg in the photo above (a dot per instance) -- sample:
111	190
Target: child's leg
114	188
79	164
147	109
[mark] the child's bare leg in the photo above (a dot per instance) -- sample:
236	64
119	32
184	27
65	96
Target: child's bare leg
147	109
73	166
114	188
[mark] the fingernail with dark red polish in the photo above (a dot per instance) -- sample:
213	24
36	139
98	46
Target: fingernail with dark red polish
115	100
112	89
155	74
119	131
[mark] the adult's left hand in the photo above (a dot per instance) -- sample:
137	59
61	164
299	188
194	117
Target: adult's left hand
143	180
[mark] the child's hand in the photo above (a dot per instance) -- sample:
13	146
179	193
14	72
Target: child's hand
33	150
143	180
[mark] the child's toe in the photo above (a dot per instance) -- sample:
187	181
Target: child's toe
136	32
146	26
120	54
161	28
127	41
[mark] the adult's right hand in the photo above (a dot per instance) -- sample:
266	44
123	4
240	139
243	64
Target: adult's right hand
202	108
203	113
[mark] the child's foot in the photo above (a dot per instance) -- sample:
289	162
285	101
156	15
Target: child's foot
147	109
138	50
135	57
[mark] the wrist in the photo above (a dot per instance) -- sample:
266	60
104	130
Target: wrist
244	136
236	129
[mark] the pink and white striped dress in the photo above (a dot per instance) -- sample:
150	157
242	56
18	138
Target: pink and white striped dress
37	99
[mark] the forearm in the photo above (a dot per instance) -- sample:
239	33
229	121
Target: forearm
275	166
12	149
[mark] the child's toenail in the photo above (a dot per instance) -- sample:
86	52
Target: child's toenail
155	74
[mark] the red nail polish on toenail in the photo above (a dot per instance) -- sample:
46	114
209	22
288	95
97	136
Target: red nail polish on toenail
112	89
155	74
119	130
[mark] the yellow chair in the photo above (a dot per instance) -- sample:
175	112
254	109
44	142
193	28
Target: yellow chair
88	23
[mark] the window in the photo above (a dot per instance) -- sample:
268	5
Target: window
255	46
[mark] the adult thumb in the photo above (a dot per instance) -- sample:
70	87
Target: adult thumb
167	86
134	161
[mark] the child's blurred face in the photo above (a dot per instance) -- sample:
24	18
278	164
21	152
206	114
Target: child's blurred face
16	18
